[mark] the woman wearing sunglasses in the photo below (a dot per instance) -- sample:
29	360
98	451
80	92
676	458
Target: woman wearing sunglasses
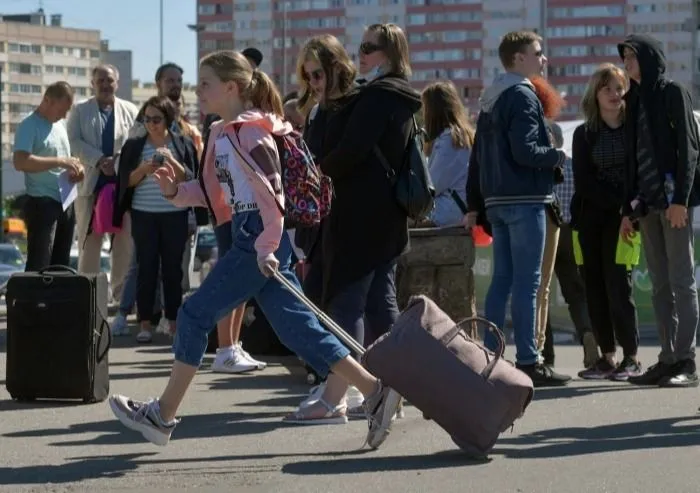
159	229
367	231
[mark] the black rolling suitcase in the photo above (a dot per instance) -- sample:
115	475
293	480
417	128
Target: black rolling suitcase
57	335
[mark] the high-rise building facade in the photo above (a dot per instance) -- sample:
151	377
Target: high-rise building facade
34	54
456	39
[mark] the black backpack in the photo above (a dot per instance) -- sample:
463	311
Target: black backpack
413	188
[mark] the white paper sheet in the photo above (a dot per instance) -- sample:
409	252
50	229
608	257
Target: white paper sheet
69	191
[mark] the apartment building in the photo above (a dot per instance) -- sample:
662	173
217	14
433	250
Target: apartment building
34	54
456	39
143	91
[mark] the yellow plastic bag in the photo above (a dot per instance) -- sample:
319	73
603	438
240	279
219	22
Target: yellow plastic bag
626	254
578	254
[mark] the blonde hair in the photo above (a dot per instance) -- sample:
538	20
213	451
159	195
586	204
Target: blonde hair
606	73
443	109
254	85
329	53
394	44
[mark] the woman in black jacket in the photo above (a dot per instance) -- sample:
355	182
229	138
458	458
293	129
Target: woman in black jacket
367	231
159	229
598	162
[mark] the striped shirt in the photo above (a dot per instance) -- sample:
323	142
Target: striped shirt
148	196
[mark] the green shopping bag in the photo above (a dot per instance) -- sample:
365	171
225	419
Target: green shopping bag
578	254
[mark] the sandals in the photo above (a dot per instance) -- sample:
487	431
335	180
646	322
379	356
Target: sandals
304	415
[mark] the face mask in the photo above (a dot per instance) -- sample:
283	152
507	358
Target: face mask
376	72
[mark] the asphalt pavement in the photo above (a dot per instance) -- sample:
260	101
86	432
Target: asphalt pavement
587	437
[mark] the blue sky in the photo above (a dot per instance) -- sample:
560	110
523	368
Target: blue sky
130	25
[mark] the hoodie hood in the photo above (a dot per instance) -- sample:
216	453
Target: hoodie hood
650	55
501	83
269	121
399	86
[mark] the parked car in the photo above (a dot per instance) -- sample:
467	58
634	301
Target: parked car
206	243
105	262
11	261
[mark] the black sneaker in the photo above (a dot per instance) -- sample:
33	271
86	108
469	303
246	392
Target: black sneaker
628	368
600	370
653	376
682	374
543	375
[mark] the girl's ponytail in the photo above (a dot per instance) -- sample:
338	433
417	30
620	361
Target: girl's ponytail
263	94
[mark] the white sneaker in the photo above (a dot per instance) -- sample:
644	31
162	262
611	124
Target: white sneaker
231	361
120	326
354	397
144	337
163	326
260	364
143	417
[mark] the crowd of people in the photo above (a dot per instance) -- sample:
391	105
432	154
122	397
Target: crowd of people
629	183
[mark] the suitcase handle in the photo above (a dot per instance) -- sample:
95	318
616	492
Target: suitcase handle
57	268
325	319
104	324
452	333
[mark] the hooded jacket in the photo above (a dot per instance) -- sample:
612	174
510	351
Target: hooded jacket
672	126
512	150
366	229
259	161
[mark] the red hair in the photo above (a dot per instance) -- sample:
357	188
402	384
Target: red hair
551	100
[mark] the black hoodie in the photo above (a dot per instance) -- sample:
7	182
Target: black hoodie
674	132
366	229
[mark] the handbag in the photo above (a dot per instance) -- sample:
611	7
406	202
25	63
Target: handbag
412	186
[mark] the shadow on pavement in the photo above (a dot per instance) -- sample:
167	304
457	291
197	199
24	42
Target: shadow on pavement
440	460
355	461
199	426
568	392
619	437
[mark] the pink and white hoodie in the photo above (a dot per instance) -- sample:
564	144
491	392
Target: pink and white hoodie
251	133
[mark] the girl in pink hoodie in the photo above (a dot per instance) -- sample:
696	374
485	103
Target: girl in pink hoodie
248	170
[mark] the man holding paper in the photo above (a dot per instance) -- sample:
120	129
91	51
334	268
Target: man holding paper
42	153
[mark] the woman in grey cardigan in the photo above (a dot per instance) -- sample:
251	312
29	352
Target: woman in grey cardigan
450	137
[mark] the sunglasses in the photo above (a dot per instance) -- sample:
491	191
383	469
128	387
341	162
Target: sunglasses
368	48
153	119
316	75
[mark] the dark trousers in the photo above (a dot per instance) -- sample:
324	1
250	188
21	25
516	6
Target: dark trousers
367	308
159	240
608	285
49	233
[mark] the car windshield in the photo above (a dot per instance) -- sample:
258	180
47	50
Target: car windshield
206	239
11	256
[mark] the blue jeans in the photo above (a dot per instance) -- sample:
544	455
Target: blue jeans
367	308
236	278
518	246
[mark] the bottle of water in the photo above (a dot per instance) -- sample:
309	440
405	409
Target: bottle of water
669	186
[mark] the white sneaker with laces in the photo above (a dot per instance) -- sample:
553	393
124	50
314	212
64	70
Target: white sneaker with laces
260	364
231	361
143	417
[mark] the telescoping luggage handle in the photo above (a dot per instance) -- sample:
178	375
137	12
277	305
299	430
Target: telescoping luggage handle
452	333
325	319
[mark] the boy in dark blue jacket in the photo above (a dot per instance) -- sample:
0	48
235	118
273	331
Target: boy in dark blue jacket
514	177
